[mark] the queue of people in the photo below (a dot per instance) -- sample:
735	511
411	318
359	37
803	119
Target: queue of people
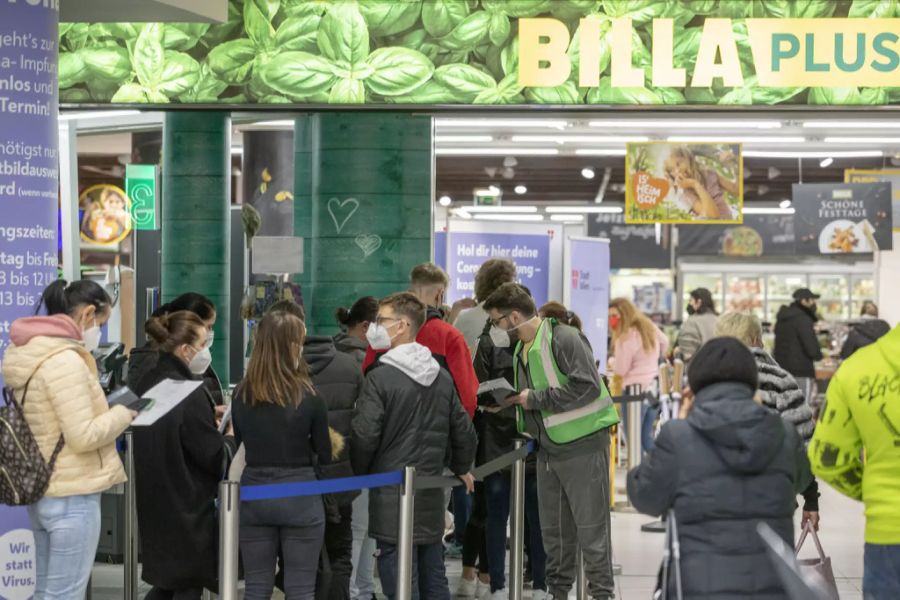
399	386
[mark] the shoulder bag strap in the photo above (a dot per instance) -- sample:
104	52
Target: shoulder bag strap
808	529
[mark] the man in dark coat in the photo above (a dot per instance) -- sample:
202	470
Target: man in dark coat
867	330
409	415
728	466
796	345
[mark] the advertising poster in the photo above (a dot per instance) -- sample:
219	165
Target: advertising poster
891	176
758	235
105	212
587	293
842	218
467	252
29	190
500	52
683	183
633	246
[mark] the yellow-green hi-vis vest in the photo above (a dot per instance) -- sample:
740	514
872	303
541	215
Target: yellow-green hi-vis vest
571	425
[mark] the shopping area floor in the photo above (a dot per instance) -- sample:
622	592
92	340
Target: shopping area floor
639	553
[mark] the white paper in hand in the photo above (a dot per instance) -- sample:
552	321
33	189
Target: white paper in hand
494	385
166	395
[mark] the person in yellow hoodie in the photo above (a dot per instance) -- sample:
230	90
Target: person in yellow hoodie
862	414
50	367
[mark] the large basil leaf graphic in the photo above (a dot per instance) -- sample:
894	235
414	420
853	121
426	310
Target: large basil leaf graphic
148	53
232	61
605	93
130	93
180	73
207	88
182	36
398	71
566	93
874	9
465	81
298	33
343	34
72	69
389	17
470	32
257	25
107	64
430	93
439	17
298	74
347	91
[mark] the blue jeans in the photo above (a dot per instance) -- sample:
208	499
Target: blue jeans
881	579
497	490
66	533
648	418
462	510
362	581
429	576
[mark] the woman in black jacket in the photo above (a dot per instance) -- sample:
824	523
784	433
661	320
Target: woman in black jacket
179	461
283	425
728	466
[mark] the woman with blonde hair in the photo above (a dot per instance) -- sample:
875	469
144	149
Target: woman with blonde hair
283	425
637	346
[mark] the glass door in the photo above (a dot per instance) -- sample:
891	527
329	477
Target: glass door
780	292
744	293
835	291
862	288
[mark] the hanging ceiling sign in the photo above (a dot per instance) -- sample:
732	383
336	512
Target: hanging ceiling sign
460	52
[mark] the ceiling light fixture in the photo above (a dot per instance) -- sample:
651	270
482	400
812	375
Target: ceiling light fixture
823	154
502	123
281	123
497	151
451	139
508	217
581	139
97	114
746	139
851	124
237	150
445	200
826	162
679	124
461	213
503	209
584	210
862	140
754	210
588	173
567	218
521	189
599	152
786	203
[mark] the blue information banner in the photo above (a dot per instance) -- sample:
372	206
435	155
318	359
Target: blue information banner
587	291
468	251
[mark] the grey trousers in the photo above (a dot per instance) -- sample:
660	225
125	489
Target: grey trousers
573	494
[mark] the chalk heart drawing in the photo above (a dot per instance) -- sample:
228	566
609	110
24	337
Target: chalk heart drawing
341	211
368	243
17	556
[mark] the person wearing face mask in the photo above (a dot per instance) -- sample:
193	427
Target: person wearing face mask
354	325
409	415
700	325
143	359
563	404
796	344
49	366
179	461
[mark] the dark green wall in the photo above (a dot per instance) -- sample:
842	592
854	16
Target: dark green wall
196	188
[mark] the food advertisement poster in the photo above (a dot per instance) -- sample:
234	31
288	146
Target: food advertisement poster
499	52
669	182
842	218
891	176
106	214
759	235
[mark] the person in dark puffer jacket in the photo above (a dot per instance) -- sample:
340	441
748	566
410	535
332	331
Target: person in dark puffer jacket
868	330
779	392
728	466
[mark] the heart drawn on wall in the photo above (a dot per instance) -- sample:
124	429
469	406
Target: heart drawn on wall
368	243
341	211
649	191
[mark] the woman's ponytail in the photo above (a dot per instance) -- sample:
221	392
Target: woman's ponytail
53	299
61	298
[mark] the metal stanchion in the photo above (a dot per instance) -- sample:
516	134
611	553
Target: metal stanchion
517	527
405	535
229	519
634	427
130	528
580	578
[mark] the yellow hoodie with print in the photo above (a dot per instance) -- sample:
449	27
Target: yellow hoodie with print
862	412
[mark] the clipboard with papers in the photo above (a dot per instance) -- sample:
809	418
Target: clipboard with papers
157	402
500	389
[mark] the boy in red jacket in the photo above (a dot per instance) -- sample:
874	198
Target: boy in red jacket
428	283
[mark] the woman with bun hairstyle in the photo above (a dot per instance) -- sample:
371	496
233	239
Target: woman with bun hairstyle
283	425
179	461
50	368
558	311
142	360
354	324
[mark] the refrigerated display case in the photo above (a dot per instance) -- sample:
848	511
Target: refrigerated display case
652	290
862	288
714	282
744	293
779	290
834	290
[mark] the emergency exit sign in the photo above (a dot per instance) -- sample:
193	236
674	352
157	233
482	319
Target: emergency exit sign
140	185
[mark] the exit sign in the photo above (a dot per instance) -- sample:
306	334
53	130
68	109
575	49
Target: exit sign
140	185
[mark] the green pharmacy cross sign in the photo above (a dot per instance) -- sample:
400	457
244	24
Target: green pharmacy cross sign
140	185
499	52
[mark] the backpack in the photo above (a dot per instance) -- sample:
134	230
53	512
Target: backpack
24	475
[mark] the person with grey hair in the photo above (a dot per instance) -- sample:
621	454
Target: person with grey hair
777	390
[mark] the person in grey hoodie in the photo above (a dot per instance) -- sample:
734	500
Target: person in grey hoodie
728	466
698	328
778	391
409	415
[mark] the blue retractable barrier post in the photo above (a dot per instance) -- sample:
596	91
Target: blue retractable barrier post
405	534
130	558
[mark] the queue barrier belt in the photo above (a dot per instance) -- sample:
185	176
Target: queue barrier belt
274	491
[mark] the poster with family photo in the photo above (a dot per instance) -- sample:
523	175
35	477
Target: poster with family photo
842	218
686	182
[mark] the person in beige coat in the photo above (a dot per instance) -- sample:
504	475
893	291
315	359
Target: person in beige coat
50	367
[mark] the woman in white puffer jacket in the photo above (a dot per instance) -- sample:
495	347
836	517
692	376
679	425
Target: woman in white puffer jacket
49	366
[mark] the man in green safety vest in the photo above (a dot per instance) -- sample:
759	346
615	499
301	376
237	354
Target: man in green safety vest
562	404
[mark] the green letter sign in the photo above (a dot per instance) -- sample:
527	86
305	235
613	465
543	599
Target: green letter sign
140	185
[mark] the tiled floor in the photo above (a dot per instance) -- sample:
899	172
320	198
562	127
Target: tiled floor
639	553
